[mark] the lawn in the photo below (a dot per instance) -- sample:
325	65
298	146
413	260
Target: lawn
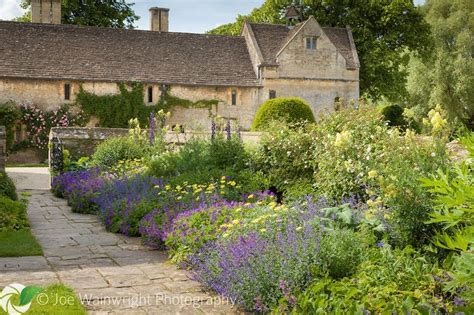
19	243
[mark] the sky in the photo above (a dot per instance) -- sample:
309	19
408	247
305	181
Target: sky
193	16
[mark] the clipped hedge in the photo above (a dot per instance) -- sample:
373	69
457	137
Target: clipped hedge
288	110
7	187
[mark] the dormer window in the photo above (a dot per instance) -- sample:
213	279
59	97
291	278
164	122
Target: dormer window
311	43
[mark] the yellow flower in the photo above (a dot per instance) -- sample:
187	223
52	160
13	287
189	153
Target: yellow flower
223	178
342	138
373	174
232	183
179	198
263	230
299	228
167	187
251	196
235	221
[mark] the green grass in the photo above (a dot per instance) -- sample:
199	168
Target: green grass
19	243
55	299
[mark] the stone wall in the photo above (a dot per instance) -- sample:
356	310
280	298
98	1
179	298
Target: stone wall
3	148
83	141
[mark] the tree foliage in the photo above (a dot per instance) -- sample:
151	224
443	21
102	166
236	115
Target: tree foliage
109	13
446	77
384	32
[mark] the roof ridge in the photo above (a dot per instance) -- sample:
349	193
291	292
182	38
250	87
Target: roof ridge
111	28
272	24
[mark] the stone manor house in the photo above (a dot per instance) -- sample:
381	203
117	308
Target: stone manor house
44	63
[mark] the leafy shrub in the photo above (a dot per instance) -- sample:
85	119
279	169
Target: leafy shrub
393	114
288	110
7	187
390	281
113	150
353	153
13	215
201	156
341	253
285	156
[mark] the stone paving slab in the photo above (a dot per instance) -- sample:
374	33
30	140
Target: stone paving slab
113	274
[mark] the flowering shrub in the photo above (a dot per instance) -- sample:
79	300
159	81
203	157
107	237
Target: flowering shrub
178	199
192	229
123	202
79	188
39	123
263	266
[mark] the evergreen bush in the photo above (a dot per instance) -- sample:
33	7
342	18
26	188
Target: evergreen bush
288	110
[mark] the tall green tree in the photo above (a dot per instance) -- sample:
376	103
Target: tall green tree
447	76
105	13
385	32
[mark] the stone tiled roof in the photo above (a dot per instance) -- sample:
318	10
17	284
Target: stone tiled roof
42	51
272	37
269	38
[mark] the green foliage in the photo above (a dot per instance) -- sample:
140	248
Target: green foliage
7	187
383	33
9	114
354	153
288	110
168	102
191	231
201	156
111	13
445	78
285	157
453	194
13	216
389	281
393	114
113	150
115	111
341	253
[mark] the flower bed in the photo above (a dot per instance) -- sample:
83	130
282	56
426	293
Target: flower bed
347	232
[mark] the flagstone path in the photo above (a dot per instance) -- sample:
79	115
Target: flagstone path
113	273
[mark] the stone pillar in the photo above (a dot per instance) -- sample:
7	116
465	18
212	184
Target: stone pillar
46	11
159	19
3	148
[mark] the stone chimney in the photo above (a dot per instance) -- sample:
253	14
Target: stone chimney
46	11
159	19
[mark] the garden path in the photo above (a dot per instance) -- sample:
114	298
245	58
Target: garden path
113	273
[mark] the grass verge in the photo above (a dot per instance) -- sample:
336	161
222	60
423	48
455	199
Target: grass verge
19	243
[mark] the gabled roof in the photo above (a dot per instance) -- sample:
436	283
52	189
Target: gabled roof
45	51
271	38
